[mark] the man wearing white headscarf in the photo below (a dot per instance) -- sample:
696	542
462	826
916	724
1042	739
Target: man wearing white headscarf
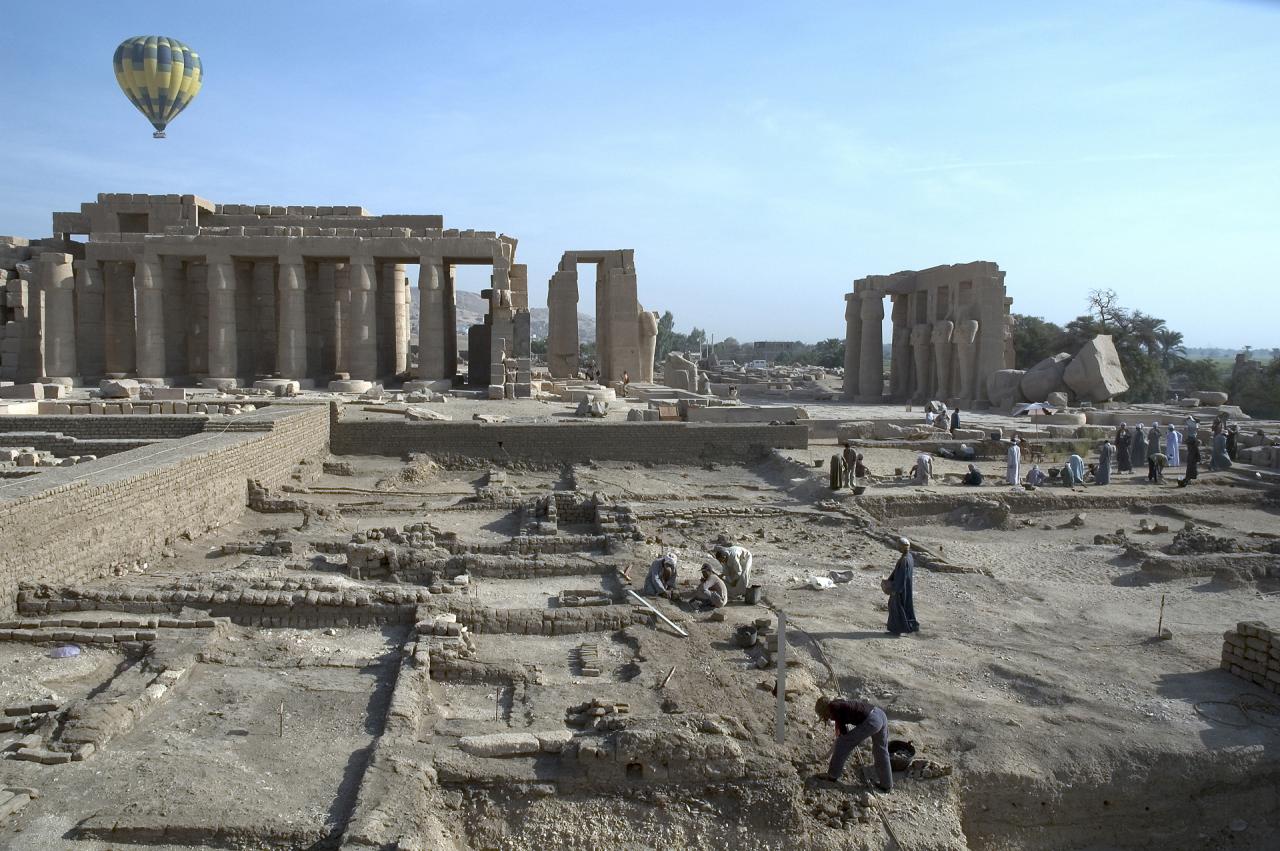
661	581
1013	463
1173	441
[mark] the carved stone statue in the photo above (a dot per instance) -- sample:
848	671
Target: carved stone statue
648	344
966	334
920	335
941	339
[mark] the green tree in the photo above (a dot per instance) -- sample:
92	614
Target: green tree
1201	374
1034	339
664	342
538	346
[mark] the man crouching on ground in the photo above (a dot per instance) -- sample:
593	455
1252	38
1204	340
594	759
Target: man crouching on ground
856	721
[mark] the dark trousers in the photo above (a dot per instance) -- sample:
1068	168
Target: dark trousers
876	728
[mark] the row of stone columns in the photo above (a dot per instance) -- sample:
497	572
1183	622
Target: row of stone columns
928	360
146	319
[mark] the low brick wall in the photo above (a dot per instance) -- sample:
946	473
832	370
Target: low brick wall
122	427
1252	652
69	523
661	443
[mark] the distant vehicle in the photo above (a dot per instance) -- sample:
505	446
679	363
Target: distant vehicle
758	364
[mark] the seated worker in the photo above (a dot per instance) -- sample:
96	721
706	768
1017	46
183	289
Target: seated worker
973	478
711	592
860	470
661	581
923	469
736	563
1036	477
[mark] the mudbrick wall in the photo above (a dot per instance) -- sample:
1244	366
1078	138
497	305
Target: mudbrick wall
104	427
1252	651
672	443
70	523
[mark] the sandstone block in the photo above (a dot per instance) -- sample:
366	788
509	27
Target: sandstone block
1004	388
500	744
119	388
1094	373
1045	377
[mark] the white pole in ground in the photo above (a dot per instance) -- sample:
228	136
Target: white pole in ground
780	730
665	619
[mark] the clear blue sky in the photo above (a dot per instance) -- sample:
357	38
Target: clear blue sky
758	157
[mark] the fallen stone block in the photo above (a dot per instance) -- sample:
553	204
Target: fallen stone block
500	744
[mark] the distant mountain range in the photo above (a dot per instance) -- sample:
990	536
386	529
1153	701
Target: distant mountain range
472	308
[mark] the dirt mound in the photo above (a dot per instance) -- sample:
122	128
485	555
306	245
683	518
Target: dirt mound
1196	540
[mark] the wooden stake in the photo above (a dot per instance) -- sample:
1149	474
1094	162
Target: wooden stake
667	678
281	711
1160	623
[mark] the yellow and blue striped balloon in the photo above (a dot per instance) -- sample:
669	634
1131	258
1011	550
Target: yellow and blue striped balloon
159	75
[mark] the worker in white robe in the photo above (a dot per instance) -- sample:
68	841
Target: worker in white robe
1013	467
735	562
924	468
1172	447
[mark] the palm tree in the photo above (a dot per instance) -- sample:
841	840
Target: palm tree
1171	348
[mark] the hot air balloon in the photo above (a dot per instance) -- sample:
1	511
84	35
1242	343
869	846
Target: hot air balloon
159	75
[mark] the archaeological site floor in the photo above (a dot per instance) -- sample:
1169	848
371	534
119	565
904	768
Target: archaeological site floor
320	635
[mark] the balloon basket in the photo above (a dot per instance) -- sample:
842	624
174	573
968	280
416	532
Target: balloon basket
159	134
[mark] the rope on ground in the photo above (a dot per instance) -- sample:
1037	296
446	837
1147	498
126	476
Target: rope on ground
1253	709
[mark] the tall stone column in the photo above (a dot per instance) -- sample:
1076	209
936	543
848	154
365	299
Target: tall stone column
900	351
90	344
119	317
223	361
57	280
177	308
148	279
852	343
966	334
197	323
291	334
399	342
922	384
437	332
264	298
562	322
871	362
941	339
362	361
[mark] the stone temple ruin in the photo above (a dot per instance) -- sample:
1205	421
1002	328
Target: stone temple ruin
950	331
174	289
403	618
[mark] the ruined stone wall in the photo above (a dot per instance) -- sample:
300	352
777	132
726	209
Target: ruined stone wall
69	524
660	443
1252	651
113	427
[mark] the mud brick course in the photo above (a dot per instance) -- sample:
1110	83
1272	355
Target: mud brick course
1252	651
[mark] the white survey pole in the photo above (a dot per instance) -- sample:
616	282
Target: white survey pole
780	728
665	619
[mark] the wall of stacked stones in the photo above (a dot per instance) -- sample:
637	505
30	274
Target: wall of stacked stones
1252	651
70	524
660	443
107	428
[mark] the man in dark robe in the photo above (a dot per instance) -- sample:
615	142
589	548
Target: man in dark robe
973	478
1124	441
955	420
1153	439
1193	462
1140	452
856	721
1233	434
902	610
1218	457
1102	476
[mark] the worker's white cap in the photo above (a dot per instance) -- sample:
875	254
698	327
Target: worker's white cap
904	542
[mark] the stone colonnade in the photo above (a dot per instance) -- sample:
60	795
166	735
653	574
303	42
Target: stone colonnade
165	317
626	334
950	331
225	310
